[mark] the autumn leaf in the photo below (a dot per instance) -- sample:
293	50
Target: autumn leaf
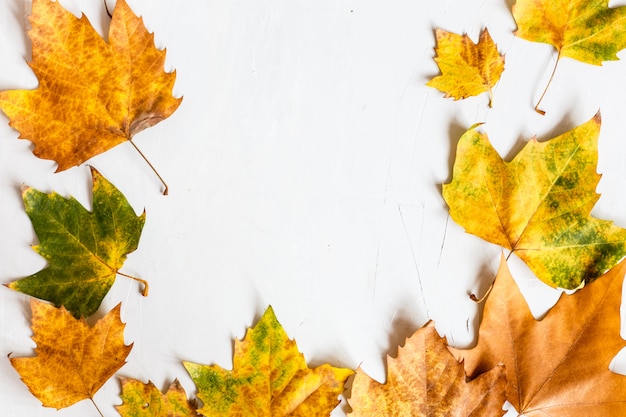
558	366
92	94
426	380
467	69
145	400
73	360
85	250
269	378
586	30
539	204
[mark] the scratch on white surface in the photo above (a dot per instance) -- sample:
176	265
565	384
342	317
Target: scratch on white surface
419	277
443	241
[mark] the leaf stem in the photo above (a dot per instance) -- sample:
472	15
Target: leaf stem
106	7
556	63
96	405
165	192
141	281
481	299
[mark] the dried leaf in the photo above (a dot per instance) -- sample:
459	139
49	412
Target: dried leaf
269	378
73	360
145	400
467	69
586	30
84	249
558	366
426	380
539	204
92	94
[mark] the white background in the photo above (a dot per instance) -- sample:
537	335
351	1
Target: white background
305	167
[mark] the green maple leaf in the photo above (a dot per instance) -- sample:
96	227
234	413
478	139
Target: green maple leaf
84	249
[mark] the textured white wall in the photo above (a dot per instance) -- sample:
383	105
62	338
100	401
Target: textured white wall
305	165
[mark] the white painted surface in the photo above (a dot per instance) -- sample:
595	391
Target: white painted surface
305	166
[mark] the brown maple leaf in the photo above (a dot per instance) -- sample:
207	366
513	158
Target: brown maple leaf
558	366
426	380
73	360
92	94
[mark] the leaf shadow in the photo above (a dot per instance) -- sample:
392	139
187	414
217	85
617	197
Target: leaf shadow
403	326
455	131
566	124
479	289
19	12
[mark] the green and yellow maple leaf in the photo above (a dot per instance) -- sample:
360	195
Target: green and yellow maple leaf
539	204
467	68
269	378
426	380
586	30
145	400
85	250
73	360
92	94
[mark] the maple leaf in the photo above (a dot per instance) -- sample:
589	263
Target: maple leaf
426	380
467	69
73	360
539	204
85	250
586	30
145	400
92	94
269	378
557	366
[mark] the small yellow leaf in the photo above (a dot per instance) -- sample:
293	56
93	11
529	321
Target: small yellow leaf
145	400
270	378
467	69
73	360
426	380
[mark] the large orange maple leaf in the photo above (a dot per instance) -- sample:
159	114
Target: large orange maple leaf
558	366
92	94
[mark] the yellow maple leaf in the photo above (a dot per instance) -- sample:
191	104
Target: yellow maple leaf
145	400
539	204
92	94
586	30
467	69
73	360
426	380
269	378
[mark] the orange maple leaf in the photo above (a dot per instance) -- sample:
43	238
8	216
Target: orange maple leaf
467	68
557	366
73	360
92	94
426	380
